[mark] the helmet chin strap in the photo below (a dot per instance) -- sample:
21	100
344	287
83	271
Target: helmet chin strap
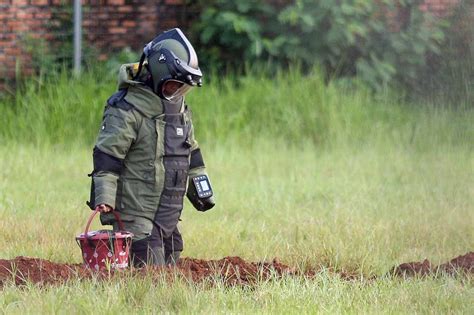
140	66
149	80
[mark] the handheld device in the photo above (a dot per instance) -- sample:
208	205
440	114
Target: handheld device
203	186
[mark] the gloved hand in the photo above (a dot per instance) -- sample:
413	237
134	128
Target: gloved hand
103	208
198	203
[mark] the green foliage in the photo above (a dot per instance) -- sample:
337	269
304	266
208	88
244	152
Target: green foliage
114	62
318	175
403	194
49	56
451	73
56	108
53	55
291	106
381	42
229	31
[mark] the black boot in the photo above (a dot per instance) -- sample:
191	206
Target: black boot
143	254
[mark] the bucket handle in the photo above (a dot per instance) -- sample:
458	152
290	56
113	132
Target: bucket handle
117	217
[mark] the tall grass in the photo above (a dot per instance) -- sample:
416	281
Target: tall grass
291	106
362	210
314	174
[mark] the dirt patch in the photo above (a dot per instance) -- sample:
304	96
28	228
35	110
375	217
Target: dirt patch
230	270
413	268
463	264
22	269
235	270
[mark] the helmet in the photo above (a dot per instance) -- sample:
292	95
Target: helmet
172	63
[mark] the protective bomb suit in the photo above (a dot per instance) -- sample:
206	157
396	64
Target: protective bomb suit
146	157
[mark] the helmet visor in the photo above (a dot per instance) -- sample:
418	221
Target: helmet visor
173	89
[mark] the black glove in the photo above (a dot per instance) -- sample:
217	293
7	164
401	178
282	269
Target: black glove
201	204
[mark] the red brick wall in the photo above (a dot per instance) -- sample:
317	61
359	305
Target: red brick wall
17	18
109	25
129	23
439	7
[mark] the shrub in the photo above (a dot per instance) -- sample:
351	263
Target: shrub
382	42
450	75
231	32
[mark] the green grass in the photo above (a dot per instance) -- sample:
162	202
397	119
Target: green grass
325	294
313	175
290	106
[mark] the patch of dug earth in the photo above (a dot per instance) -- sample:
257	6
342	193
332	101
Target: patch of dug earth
412	269
235	270
36	270
463	264
230	270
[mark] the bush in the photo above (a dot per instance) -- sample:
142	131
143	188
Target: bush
230	33
381	42
450	75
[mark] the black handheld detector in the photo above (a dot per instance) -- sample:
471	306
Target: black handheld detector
203	186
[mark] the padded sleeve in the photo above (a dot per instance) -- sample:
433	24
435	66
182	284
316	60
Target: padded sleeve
117	133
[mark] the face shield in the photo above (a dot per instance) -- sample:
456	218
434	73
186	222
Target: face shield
172	63
173	89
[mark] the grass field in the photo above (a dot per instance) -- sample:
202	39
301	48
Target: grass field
314	175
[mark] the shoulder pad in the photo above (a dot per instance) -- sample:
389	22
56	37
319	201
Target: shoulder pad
118	100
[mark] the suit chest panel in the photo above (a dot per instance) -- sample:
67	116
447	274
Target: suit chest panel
164	138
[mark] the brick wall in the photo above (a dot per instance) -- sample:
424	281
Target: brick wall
17	18
110	25
439	7
129	23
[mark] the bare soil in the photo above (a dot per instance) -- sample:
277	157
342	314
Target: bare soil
230	270
463	264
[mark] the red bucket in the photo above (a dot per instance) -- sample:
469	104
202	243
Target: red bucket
105	248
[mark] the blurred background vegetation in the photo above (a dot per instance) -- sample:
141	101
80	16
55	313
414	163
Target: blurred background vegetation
313	66
384	44
337	134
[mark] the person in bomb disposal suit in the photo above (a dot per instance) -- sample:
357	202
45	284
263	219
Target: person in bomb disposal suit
146	157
